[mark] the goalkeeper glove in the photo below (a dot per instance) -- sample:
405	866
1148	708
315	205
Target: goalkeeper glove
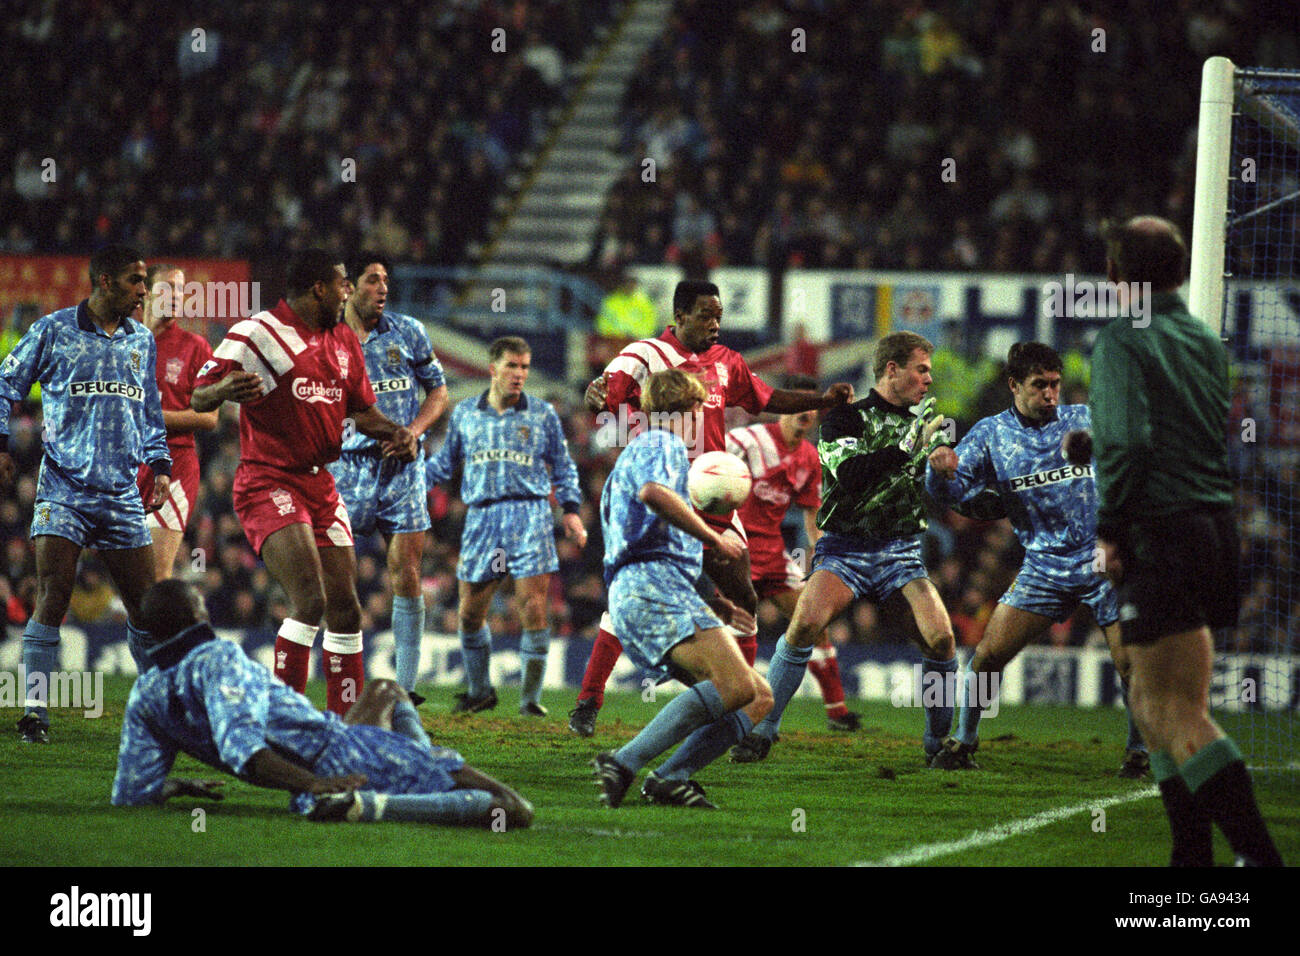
924	435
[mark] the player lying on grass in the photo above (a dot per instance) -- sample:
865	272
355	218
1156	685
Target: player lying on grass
873	461
786	468
1052	504
653	558
206	698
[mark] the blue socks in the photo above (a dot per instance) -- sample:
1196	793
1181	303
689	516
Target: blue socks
706	745
407	723
408	628
136	641
454	806
40	657
1135	741
968	720
476	649
938	716
698	706
784	674
532	649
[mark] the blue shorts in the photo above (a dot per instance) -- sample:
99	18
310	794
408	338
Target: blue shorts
870	569
509	537
99	521
654	607
1054	594
392	763
382	493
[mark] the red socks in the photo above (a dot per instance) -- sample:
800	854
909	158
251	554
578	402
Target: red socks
825	668
605	653
293	653
345	672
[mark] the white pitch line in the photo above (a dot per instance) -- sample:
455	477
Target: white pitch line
1003	831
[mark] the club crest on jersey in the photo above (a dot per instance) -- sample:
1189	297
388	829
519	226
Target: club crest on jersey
394	356
525	432
282	500
173	370
135	361
721	369
342	356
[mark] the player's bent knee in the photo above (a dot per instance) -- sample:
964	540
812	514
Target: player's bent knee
942	647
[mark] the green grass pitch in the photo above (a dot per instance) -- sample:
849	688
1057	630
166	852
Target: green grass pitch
820	799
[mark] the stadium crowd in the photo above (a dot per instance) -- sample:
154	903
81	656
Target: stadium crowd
1034	105
187	152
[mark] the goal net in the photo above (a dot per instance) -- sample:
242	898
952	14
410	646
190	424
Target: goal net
1245	263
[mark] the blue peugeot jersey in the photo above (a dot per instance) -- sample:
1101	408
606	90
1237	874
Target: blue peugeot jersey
398	357
514	454
218	706
1051	504
103	418
633	533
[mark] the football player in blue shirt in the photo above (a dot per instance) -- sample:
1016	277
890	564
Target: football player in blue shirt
381	492
103	419
1020	454
654	551
205	697
513	451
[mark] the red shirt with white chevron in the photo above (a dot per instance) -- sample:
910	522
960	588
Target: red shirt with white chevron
781	474
723	371
311	382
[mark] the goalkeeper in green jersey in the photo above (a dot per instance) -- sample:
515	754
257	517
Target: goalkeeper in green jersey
873	455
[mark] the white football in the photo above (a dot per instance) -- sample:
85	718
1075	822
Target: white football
718	482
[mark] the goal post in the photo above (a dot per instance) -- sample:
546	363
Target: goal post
1245	283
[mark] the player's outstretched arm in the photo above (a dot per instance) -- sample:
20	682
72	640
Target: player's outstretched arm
397	440
785	401
664	501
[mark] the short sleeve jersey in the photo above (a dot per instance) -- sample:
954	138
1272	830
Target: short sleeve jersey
633	532
181	353
723	372
781	475
311	382
398	359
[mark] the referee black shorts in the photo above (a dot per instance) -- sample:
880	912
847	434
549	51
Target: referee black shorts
1180	574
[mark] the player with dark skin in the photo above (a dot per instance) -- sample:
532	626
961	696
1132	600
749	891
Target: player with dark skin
373	708
320	582
114	298
698	330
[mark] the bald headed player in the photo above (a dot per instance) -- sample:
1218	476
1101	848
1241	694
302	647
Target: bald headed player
1166	526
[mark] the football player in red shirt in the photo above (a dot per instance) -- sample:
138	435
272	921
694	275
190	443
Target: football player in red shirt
181	354
298	371
691	344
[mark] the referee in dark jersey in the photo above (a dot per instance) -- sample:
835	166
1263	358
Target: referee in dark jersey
1159	399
